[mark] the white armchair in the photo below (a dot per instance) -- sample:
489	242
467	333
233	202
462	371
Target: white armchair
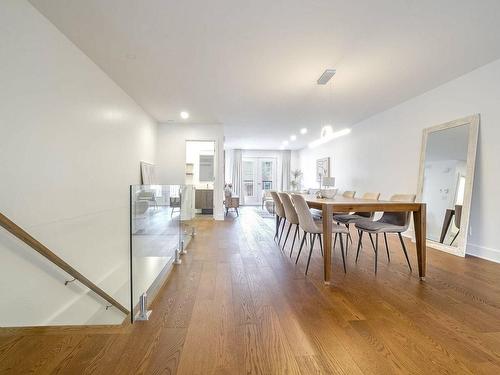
266	197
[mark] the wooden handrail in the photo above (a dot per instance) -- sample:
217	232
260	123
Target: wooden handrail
24	236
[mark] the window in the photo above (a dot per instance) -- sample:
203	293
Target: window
248	184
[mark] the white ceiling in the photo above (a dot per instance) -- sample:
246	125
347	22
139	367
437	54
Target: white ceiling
252	65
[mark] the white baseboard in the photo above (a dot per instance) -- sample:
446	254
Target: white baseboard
483	252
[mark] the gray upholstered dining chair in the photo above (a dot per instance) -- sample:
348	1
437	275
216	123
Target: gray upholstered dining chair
314	229
280	214
348	219
349	194
317	214
292	218
390	222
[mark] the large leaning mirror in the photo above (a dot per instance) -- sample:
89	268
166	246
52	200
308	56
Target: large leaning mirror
447	162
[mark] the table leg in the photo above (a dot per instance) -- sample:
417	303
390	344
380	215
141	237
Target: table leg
327	237
419	221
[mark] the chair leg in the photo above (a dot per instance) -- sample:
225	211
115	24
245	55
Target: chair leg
342	251
282	230
349	234
454	238
278	222
359	233
237	212
376	251
301	246
286	237
335	240
371	239
310	252
404	250
349	238
359	244
387	247
294	237
320	244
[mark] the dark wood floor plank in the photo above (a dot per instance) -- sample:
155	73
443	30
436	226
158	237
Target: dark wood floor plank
239	305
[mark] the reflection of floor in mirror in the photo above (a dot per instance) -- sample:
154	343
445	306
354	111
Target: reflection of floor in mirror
160	220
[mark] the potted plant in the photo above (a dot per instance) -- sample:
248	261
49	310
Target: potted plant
296	179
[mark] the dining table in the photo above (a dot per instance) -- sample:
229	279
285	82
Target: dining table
340	204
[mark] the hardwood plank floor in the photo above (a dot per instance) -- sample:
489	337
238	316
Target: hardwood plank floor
239	305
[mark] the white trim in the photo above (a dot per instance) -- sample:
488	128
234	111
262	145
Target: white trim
473	123
484	252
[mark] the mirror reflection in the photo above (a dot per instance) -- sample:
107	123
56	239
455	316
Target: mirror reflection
444	182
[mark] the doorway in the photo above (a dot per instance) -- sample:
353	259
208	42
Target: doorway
259	174
200	174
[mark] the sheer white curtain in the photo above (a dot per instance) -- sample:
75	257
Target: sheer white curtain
237	172
286	157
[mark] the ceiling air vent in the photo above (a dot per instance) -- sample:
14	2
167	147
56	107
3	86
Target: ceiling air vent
325	77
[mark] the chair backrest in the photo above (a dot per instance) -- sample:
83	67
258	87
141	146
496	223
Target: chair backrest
306	221
349	194
290	212
280	210
398	218
371	196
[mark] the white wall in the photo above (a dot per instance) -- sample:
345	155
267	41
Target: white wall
70	144
382	152
171	156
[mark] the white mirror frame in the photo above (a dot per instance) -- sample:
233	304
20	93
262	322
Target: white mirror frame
473	123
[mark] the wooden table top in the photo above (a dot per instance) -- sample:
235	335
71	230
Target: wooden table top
344	204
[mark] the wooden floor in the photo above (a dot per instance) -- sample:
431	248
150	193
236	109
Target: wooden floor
238	305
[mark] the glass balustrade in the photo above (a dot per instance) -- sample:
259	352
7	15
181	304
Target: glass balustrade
161	229
93	268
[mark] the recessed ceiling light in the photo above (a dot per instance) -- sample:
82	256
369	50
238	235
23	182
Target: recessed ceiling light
285	143
293	137
184	115
303	131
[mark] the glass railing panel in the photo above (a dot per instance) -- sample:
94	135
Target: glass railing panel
157	234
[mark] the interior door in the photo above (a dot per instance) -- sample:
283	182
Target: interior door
258	174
